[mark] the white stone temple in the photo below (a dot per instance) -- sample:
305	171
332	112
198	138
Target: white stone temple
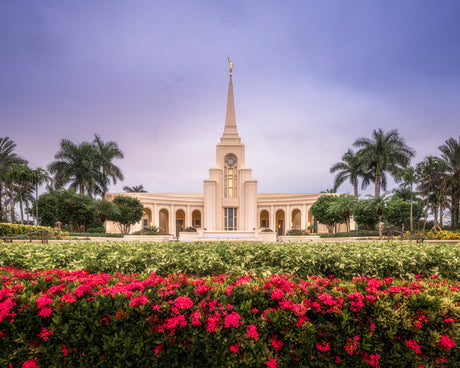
230	206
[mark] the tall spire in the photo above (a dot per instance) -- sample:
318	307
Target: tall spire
230	130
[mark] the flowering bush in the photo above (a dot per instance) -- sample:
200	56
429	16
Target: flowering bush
60	318
444	235
18	229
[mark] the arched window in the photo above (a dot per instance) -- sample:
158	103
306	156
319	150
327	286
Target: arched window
230	176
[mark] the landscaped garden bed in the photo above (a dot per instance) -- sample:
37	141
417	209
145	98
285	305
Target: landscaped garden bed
138	304
58	318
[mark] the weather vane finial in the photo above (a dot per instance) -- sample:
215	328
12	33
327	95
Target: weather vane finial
231	65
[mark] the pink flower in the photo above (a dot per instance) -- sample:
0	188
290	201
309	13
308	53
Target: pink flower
195	318
183	302
414	346
232	320
277	344
374	360
202	289
157	349
252	332
45	312
323	348
138	300
449	320
213	322
271	363
45	333
235	348
64	351
68	298
31	363
43	300
277	294
445	342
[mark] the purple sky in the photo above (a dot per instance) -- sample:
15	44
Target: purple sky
310	77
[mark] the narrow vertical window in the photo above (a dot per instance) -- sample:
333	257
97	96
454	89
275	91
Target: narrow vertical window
230	176
230	219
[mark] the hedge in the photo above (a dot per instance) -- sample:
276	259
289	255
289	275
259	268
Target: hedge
58	318
395	259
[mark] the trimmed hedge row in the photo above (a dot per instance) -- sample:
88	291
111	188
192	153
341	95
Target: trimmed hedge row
345	260
59	318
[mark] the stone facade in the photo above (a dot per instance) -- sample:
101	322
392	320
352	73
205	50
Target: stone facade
230	206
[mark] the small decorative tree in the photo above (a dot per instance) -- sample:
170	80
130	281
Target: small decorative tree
128	211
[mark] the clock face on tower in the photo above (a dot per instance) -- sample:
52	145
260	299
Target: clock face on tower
230	160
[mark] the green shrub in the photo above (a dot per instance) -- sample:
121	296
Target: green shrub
395	259
95	230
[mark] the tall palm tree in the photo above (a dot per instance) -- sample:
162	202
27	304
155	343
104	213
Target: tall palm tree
8	158
350	169
382	153
409	178
451	155
77	164
23	179
135	189
432	184
106	153
39	177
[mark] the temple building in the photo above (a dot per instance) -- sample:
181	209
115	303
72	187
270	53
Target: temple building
230	206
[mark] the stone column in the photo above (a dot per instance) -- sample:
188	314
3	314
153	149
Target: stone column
188	217
155	216
288	219
304	217
272	218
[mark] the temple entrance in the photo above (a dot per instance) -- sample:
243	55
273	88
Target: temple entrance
264	219
180	221
147	217
196	219
230	219
164	222
280	222
296	220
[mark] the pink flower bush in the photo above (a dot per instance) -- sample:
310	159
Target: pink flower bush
289	322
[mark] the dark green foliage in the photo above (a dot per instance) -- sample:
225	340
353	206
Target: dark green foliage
75	211
322	213
365	214
398	213
127	212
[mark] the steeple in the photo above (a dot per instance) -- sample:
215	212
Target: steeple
230	135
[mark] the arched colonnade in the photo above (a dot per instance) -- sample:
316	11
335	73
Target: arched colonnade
284	218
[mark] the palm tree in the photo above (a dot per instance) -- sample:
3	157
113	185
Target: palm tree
7	159
451	155
39	177
23	178
433	184
409	178
106	152
383	152
77	164
350	169
135	189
